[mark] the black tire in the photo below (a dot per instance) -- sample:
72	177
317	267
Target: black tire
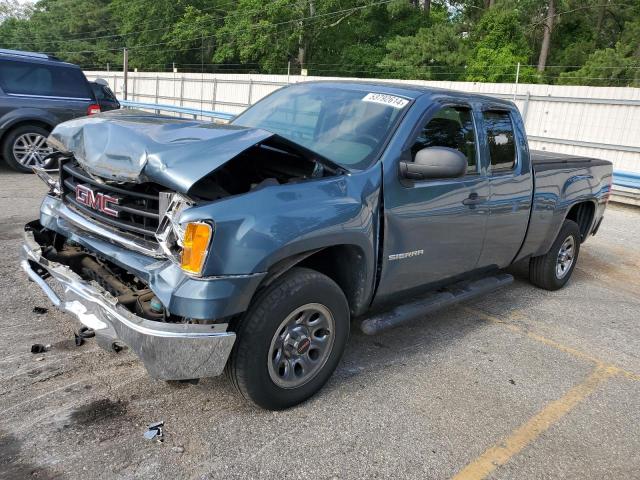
10	139
542	269
248	365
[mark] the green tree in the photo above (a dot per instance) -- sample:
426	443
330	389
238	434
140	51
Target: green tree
617	66
499	44
66	28
436	52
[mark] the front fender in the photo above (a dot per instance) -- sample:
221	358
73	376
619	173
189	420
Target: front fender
260	228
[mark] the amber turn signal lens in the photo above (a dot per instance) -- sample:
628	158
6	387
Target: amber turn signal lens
195	247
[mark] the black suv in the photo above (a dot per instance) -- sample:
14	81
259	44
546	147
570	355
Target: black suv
37	92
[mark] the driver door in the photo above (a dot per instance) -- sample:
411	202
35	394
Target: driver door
434	229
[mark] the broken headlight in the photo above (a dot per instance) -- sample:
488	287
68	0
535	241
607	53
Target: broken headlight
187	244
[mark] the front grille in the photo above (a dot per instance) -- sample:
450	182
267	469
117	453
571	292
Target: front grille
137	207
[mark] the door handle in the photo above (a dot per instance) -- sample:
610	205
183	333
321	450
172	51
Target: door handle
474	199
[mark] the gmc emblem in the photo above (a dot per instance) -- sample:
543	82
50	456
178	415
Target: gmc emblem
97	201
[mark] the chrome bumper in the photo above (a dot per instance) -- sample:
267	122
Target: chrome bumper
169	351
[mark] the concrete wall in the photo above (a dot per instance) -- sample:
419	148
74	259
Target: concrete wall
602	122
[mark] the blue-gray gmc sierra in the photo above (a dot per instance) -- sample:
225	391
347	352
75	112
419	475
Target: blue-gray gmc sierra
253	245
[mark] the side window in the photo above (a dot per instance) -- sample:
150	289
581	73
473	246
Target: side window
98	91
36	79
451	127
25	78
500	137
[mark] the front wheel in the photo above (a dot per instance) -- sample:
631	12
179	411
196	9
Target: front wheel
290	341
553	270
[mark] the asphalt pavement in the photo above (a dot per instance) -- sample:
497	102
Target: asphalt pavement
522	384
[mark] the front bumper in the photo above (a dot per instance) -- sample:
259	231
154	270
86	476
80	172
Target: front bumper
169	351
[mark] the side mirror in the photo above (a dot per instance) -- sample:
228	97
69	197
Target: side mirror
435	162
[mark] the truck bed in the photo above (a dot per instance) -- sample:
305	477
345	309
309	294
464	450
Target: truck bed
561	180
543	160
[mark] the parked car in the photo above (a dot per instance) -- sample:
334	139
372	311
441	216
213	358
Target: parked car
37	92
253	246
104	95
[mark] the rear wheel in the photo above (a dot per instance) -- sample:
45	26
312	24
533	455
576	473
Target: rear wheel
553	270
290	341
26	147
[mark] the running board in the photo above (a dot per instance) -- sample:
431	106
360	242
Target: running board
456	293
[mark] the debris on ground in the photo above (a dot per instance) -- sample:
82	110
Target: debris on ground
154	431
178	449
40	310
82	334
39	348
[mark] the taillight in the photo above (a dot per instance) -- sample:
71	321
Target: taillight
95	108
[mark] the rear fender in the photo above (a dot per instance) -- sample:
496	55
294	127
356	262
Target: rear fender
25	115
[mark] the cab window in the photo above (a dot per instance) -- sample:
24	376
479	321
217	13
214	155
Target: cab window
451	127
500	137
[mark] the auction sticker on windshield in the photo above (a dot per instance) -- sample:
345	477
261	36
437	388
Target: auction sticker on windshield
391	100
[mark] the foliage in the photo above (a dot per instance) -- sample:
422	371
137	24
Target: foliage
593	42
499	45
615	66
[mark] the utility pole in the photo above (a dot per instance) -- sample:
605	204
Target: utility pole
515	92
125	70
546	36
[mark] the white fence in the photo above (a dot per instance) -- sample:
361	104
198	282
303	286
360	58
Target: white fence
602	122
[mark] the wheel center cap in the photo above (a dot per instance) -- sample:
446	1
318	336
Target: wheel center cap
303	346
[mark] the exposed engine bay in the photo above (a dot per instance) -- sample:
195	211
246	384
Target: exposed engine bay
271	162
130	291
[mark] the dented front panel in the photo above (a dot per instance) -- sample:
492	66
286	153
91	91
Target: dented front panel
135	146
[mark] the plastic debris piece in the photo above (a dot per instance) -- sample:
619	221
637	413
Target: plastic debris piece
38	348
178	449
40	310
154	431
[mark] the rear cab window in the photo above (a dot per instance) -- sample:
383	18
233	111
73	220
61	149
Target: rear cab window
32	78
501	140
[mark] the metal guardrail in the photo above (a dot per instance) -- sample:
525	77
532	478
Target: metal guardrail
620	178
194	112
626	179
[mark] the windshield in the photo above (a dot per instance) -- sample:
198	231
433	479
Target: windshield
346	126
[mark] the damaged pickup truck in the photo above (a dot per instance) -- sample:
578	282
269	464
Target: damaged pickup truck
255	246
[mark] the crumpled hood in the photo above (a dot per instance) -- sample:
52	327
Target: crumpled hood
136	146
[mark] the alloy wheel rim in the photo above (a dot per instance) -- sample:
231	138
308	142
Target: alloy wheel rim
30	149
566	255
301	345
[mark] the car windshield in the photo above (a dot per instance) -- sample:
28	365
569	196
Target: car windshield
347	126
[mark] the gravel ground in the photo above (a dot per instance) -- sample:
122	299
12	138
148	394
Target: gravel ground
521	384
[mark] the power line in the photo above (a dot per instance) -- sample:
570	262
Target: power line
178	17
532	25
250	27
223	18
